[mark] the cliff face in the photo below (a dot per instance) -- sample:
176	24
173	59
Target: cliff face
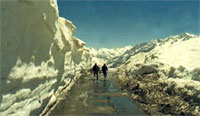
39	55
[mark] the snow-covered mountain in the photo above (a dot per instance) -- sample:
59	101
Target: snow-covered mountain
104	55
178	52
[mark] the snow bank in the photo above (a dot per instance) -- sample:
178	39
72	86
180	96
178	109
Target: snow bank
173	62
39	56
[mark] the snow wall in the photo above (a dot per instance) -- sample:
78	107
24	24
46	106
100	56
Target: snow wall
39	56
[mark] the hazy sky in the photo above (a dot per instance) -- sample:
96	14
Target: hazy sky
118	23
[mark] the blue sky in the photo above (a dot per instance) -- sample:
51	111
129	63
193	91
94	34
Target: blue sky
113	24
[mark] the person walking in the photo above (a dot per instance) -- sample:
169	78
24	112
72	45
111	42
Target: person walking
104	70
95	70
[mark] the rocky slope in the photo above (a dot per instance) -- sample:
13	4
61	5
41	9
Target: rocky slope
163	75
39	56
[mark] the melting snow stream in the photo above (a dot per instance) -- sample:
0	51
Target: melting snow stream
91	97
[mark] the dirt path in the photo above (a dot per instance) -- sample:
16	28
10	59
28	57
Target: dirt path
92	97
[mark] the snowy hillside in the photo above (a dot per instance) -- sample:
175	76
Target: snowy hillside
174	52
39	55
104	55
164	69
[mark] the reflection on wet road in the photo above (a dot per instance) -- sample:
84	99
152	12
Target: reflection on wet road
92	97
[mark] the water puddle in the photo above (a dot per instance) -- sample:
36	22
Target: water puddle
126	107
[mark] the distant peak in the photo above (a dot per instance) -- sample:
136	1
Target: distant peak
182	36
187	35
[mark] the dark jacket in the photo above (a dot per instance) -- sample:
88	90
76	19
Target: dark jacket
104	68
95	68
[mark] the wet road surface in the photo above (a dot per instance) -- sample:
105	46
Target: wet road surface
91	97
